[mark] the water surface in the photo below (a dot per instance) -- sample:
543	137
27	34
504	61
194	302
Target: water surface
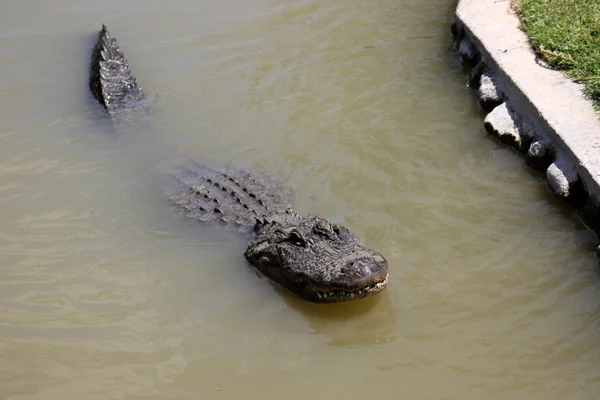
361	106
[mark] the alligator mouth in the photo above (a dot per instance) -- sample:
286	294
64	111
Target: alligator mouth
342	295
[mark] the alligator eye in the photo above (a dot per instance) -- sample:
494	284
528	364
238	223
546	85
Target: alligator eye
296	239
336	229
324	229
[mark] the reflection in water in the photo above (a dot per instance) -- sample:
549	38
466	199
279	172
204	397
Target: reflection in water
362	323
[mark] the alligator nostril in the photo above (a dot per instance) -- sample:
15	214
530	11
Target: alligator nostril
360	266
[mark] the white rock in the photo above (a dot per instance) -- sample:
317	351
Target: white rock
500	123
561	176
490	96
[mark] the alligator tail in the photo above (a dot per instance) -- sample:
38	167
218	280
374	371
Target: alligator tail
111	80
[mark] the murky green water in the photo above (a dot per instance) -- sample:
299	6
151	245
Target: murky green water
107	293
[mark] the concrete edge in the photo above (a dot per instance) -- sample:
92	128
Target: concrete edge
531	107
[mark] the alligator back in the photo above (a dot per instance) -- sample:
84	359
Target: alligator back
209	194
229	195
111	80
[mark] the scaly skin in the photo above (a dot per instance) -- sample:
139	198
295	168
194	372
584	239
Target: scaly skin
111	80
305	254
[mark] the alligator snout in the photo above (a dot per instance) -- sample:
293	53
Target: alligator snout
362	272
359	277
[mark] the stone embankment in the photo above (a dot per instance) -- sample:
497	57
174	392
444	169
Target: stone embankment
531	107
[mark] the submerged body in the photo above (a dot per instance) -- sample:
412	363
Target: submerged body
305	254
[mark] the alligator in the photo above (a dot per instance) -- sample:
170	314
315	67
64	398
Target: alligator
307	255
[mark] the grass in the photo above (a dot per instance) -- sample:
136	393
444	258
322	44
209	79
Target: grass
566	34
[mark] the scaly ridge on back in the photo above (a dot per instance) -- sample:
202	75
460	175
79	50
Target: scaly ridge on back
111	80
228	195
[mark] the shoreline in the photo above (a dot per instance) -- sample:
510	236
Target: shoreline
531	107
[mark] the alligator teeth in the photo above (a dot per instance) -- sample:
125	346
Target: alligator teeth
342	293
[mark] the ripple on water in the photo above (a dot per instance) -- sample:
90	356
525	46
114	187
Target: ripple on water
106	292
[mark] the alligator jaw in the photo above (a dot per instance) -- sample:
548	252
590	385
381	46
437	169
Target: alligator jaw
340	295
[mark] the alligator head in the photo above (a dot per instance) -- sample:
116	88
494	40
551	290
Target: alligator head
318	261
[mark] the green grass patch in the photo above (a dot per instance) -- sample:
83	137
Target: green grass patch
566	33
